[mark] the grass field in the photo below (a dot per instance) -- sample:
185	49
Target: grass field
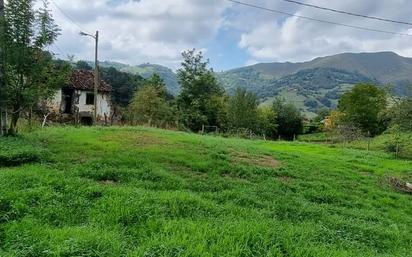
384	143
146	192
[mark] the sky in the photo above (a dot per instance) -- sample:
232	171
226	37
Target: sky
229	35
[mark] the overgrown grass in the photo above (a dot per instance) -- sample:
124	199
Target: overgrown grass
16	151
146	192
387	142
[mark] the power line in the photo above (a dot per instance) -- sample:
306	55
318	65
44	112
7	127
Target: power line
63	54
68	16
348	13
318	20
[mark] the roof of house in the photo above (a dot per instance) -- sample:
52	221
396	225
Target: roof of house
84	80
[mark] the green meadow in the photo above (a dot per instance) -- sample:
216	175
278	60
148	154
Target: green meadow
148	192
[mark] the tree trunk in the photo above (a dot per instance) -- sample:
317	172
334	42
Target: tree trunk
45	120
31	119
13	124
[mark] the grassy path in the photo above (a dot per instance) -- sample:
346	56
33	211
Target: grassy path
146	192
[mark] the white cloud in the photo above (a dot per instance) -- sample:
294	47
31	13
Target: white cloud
138	31
280	38
156	31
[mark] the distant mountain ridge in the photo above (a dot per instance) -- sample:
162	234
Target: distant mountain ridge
146	71
310	85
320	82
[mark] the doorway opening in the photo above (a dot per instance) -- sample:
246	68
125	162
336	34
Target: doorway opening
68	94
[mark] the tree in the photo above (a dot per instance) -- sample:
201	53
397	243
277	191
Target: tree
401	114
83	65
288	118
363	107
332	121
266	122
242	110
31	73
3	112
124	85
149	104
322	114
198	101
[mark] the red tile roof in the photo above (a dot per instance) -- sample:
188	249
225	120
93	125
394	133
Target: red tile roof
84	80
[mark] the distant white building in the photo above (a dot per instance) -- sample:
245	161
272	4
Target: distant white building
74	102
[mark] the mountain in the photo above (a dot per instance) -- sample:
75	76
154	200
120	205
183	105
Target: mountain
309	85
147	70
386	67
319	83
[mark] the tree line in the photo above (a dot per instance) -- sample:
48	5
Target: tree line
366	110
203	105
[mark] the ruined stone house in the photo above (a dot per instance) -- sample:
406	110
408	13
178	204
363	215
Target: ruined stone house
74	102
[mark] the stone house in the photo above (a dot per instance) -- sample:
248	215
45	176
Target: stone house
74	102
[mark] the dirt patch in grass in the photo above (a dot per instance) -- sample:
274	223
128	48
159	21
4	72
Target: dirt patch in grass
235	178
285	179
264	161
399	184
137	139
107	182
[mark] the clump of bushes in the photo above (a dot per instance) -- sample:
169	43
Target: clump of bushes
15	151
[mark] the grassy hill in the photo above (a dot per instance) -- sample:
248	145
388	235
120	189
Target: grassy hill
147	192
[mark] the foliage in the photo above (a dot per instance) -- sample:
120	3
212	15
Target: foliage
318	87
31	73
332	121
266	122
124	85
149	105
288	118
198	100
147	70
83	65
363	107
149	192
243	110
401	114
322	114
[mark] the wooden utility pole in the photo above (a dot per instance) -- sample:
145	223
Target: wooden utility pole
96	75
3	111
96	70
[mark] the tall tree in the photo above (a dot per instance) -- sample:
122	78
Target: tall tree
149	104
243	110
288	119
401	114
266	124
124	84
3	112
31	74
364	106
201	96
